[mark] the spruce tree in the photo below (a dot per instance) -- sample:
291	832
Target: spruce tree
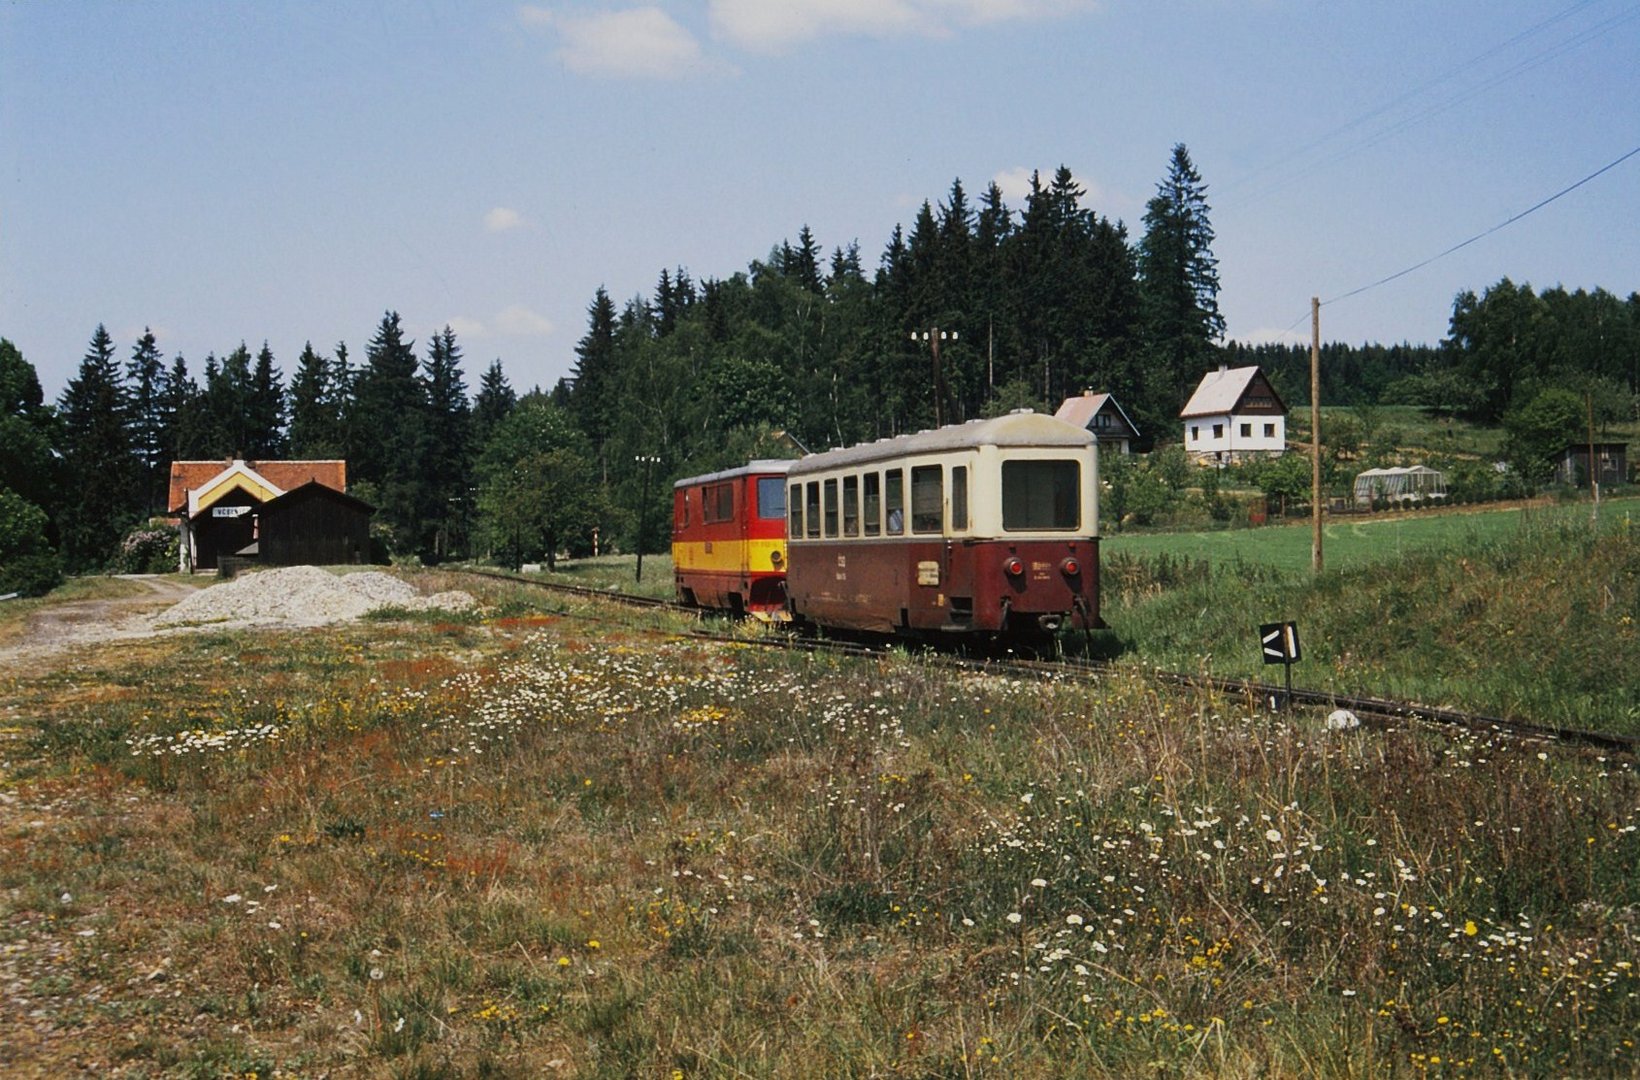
265	406
315	421
388	431
495	399
97	454
145	379
594	376
1179	287
447	456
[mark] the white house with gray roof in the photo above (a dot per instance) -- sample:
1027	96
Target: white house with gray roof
1235	413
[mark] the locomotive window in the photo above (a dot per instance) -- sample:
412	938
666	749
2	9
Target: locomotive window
874	503
831	507
1041	495
685	515
794	525
811	509
959	497
717	503
927	499
771	498
851	506
894	500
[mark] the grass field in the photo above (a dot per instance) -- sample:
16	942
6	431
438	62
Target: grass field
559	839
1353	542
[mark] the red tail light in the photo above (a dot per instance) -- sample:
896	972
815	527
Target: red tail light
1070	567
1013	566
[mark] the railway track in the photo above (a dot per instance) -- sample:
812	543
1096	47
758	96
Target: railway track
1364	708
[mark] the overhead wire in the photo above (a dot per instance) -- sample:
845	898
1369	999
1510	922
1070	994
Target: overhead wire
1534	208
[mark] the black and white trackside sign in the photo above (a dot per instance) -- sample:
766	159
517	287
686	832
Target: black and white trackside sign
1280	642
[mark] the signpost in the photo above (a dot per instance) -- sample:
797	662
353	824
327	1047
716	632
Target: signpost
1279	641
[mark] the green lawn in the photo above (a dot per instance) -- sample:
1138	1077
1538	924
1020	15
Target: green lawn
1352	542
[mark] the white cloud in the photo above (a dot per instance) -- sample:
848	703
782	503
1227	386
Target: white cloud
644	42
465	327
501	219
774	25
520	321
1014	183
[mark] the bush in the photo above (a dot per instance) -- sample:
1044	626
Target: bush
28	565
148	549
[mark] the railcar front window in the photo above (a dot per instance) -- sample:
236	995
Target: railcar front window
927	499
811	504
851	506
959	497
1041	495
874	504
894	500
771	498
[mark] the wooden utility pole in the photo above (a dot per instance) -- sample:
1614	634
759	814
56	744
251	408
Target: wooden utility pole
1315	432
1594	473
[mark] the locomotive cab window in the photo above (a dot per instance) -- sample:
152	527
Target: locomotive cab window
894	500
851	506
771	498
873	503
927	499
811	509
1041	495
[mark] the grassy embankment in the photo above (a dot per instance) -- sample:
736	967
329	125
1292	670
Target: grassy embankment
1527	612
544	844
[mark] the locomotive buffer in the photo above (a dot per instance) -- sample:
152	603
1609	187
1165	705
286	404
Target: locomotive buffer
1280	643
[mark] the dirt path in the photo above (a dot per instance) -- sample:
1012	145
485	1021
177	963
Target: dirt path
50	633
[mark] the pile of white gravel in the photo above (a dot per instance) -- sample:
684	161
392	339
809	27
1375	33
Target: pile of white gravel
304	596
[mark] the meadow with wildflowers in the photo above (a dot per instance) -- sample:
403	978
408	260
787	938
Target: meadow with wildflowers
554	837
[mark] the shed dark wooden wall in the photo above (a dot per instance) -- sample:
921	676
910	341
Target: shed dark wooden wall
315	526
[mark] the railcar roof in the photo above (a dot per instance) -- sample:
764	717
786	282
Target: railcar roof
1015	429
770	466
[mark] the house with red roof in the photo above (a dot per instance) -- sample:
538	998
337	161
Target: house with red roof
278	513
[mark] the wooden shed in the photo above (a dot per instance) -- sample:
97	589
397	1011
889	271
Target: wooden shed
315	525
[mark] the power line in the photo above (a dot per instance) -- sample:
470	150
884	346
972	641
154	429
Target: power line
1482	235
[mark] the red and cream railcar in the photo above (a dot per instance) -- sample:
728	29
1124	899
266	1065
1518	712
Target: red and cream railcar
729	539
984	528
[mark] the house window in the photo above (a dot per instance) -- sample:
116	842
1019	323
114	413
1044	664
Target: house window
1218	431
1269	431
1195	433
1247	431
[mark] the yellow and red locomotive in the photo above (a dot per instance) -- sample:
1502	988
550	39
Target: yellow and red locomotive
729	539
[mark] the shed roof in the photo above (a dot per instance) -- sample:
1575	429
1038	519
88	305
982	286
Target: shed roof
281	476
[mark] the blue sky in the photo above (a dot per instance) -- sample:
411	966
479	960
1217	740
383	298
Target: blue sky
288	171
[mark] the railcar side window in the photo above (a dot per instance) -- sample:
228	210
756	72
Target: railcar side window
771	498
927	499
831	507
894	500
959	497
1041	495
851	506
794	525
874	503
812	508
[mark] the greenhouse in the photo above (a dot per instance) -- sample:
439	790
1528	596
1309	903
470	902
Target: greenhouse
1398	486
